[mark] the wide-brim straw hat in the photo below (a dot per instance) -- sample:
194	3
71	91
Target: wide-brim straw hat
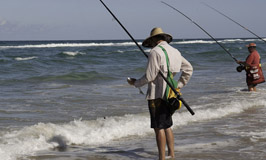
155	32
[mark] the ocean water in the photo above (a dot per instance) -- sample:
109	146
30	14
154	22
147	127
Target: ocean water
69	100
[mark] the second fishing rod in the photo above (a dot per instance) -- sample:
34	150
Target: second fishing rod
202	30
234	21
160	73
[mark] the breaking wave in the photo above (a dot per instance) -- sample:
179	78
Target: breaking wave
41	136
129	43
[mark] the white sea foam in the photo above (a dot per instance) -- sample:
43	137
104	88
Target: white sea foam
253	135
93	44
54	45
212	41
31	139
25	58
204	146
193	42
134	50
73	53
147	50
214	113
38	137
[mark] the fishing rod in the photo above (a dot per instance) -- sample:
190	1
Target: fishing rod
170	85
201	29
234	21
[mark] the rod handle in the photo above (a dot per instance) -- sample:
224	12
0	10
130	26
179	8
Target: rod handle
186	105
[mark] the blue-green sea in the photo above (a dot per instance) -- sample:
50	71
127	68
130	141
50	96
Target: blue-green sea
69	100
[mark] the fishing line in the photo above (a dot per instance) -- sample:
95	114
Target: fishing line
234	21
170	85
201	29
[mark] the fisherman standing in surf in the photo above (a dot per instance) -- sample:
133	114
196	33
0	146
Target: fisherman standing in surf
161	118
254	74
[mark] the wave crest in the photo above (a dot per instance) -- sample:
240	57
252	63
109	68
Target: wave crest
25	58
129	43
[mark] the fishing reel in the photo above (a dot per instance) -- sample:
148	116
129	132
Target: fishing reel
240	68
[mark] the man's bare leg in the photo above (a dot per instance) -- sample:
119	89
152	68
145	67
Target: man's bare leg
251	88
161	142
170	142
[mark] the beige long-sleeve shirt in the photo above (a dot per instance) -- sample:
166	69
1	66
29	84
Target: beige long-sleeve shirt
156	63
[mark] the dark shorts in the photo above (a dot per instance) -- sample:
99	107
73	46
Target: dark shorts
160	114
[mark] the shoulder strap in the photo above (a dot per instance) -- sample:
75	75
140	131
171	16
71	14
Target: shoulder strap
167	59
169	75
